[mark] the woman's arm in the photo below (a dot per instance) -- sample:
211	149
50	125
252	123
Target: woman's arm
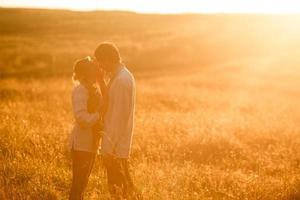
82	116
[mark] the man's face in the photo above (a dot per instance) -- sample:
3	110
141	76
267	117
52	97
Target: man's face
104	65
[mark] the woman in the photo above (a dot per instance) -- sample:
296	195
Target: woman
85	136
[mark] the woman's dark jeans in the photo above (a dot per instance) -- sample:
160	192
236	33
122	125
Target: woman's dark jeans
82	166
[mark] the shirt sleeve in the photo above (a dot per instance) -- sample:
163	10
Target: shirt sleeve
121	102
82	116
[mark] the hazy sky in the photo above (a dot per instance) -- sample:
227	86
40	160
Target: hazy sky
165	6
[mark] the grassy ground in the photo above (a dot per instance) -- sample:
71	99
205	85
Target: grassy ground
218	106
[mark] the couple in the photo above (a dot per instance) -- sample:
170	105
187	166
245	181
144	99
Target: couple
104	114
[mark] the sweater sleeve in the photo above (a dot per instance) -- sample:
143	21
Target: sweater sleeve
81	114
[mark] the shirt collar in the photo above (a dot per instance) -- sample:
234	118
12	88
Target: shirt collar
117	70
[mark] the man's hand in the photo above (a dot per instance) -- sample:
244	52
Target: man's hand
99	75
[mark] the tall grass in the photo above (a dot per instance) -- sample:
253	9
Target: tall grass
217	106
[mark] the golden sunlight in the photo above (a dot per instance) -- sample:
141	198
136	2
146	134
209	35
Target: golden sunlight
139	105
167	6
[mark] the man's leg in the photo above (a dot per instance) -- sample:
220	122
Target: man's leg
127	182
130	191
114	176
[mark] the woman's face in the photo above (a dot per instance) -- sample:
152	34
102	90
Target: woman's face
91	74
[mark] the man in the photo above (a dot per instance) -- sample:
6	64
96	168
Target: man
118	120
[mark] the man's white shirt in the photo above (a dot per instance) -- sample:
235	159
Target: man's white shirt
119	118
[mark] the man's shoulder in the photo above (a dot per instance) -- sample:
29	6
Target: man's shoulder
125	77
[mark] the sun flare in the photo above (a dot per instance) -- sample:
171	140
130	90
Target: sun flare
217	99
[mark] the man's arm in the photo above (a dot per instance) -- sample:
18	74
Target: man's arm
121	103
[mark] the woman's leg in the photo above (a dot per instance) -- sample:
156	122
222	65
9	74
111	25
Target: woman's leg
82	166
75	177
90	160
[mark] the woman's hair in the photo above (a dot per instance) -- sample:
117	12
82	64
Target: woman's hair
81	68
108	51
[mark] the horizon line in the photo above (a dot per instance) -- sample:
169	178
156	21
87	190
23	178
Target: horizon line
151	13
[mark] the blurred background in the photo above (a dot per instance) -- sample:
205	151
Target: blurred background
218	107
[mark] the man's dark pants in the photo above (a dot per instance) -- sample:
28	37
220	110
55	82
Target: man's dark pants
118	176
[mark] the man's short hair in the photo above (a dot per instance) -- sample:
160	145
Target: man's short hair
108	51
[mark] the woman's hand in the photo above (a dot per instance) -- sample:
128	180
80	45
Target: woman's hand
98	128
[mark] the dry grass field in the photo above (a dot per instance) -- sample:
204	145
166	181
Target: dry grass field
218	109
